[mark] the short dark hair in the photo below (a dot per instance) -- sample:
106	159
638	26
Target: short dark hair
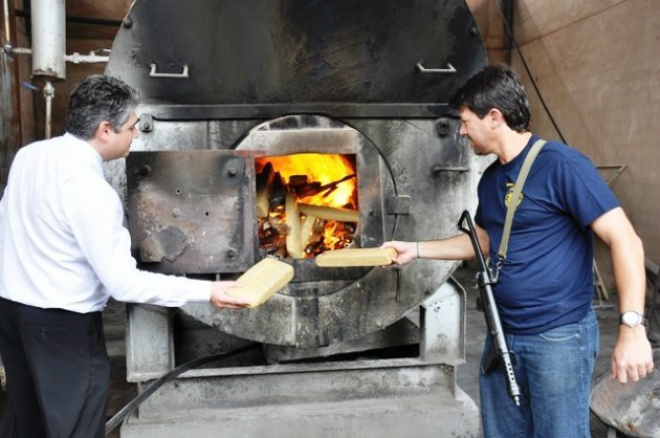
499	87
96	99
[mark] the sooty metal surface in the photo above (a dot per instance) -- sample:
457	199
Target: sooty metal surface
291	76
188	210
262	58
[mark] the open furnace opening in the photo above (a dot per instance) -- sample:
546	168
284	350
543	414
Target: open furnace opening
306	203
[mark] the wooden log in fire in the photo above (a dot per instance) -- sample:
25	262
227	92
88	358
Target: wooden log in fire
307	229
307	189
330	213
278	194
297	180
293	238
279	224
264	190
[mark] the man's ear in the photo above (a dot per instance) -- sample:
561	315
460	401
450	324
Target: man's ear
104	130
496	117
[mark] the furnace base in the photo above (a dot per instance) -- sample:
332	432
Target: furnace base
427	415
366	396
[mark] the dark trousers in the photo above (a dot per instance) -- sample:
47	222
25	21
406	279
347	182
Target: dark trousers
57	372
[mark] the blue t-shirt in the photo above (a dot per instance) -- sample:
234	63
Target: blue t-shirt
547	277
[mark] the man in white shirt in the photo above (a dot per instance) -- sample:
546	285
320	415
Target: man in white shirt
63	252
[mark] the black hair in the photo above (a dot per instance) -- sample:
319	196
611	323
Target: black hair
496	86
96	99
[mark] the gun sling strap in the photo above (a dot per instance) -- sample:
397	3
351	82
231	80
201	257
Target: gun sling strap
514	200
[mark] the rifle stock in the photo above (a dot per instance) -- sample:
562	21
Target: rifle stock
500	349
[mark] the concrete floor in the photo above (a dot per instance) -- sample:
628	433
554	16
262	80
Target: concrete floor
122	392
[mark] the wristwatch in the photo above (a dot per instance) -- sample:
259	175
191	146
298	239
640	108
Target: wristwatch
632	318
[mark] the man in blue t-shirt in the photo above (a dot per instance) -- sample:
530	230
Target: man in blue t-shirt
545	286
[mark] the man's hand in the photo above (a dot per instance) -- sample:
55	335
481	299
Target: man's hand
220	299
632	357
406	251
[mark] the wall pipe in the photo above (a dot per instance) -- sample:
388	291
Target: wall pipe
5	13
49	94
48	47
48	38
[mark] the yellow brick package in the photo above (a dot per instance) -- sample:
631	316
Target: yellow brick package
261	281
356	257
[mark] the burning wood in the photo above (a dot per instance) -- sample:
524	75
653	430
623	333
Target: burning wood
297	180
329	213
278	193
314	188
278	222
272	242
302	214
264	190
293	238
307	229
309	189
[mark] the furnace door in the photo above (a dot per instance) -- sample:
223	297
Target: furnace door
192	212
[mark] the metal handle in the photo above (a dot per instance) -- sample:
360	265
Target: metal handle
154	74
450	69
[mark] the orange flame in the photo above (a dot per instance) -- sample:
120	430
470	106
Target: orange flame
334	235
323	168
330	182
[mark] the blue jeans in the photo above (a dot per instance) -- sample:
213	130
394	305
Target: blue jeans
554	371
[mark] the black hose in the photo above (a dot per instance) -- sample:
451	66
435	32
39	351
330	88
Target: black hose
137	401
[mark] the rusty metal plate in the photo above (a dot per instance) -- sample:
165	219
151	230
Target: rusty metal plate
192	212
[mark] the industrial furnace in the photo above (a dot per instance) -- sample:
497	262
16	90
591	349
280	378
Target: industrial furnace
288	128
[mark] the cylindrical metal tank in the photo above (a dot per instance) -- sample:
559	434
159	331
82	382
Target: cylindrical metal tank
229	84
278	77
48	38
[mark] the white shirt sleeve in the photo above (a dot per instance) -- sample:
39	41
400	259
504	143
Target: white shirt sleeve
95	215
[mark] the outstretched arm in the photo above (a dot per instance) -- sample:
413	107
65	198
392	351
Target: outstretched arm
458	247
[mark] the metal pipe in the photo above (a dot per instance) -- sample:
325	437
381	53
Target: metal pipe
21	51
77	58
5	11
48	38
8	47
49	94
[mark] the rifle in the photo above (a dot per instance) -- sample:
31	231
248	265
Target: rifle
499	347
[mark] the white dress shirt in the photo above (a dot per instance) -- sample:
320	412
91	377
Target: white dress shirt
62	240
